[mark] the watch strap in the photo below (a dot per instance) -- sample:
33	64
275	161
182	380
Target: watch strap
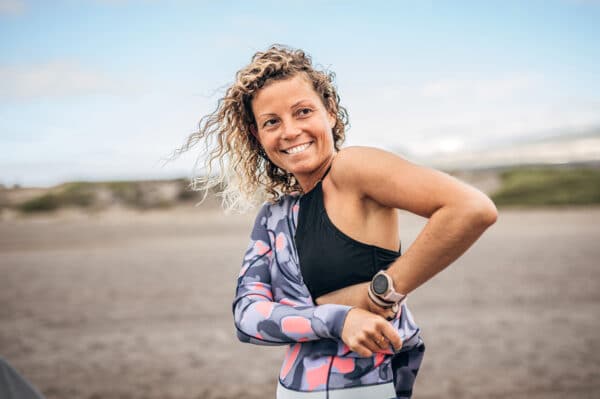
393	296
377	300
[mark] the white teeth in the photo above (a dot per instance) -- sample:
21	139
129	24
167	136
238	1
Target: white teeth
297	149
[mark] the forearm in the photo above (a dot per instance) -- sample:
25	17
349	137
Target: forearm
264	322
353	295
447	235
449	232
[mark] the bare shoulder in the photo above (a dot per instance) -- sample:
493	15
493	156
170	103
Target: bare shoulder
352	165
395	182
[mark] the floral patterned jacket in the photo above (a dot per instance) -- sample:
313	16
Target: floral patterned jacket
272	306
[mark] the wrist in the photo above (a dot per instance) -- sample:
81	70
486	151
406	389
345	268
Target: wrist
333	317
377	300
382	291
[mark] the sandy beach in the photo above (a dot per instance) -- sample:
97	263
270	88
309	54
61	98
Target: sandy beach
125	304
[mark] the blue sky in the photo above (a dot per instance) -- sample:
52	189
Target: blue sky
95	90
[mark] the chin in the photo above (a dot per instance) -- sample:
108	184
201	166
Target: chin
303	167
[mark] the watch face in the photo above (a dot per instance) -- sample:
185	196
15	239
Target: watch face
380	284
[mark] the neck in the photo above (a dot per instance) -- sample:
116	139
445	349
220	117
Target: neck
309	182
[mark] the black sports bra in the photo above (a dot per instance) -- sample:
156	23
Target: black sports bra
330	259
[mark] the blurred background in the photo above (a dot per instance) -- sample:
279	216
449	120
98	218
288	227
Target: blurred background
113	284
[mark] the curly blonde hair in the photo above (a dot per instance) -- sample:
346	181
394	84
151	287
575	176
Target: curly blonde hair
245	173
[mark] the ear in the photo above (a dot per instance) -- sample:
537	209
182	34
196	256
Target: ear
332	119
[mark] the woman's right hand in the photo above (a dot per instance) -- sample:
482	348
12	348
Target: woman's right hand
366	333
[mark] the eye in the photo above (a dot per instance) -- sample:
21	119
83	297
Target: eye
269	122
304	112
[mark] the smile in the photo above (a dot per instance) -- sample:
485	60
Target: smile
297	149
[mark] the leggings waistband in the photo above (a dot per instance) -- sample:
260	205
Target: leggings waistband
379	391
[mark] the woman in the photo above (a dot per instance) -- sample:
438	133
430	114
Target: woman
323	272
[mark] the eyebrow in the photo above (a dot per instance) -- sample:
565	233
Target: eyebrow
293	106
267	114
299	102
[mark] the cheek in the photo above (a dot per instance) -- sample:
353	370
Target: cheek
270	144
263	140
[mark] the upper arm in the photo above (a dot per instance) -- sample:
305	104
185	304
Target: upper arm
254	279
397	183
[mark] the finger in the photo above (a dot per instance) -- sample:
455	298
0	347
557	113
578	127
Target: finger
372	346
392	336
379	341
382	343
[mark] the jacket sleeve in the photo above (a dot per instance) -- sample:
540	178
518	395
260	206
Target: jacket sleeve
261	320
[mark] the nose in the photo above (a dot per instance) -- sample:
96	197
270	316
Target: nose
290	130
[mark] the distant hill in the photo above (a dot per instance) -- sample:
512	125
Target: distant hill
102	195
555	170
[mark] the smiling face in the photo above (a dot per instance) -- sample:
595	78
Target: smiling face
294	128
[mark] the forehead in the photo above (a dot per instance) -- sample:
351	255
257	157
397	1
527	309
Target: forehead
283	94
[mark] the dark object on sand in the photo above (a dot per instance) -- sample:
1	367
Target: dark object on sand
13	385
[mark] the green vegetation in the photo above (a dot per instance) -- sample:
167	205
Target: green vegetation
128	193
133	194
79	194
533	186
43	203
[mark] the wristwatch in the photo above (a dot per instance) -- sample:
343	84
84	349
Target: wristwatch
382	287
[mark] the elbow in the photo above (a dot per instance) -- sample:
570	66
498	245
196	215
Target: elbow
249	334
484	212
241	336
238	317
240	331
245	330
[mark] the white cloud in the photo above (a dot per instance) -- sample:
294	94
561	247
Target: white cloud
452	115
12	7
57	79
